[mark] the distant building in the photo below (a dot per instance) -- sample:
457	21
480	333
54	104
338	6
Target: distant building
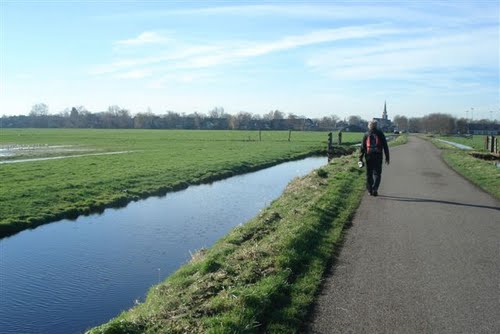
484	129
384	123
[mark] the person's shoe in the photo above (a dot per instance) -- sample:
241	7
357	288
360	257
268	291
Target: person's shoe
375	193
370	192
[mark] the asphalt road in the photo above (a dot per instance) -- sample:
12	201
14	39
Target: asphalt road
423	257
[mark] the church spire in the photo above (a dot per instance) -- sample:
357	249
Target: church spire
384	115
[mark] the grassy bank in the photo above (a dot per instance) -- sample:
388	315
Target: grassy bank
482	173
264	274
400	140
154	162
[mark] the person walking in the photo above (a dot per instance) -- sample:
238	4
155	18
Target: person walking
372	147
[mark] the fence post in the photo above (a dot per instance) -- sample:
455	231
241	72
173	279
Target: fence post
330	147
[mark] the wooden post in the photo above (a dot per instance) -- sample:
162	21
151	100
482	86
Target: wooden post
330	147
289	134
260	135
486	139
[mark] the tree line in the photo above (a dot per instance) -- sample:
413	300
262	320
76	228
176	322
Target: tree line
435	123
116	117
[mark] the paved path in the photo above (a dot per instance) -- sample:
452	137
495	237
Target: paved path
423	257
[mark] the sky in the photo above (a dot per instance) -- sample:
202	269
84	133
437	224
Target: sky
312	59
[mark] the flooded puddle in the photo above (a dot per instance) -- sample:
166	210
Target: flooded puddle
68	276
61	157
35	152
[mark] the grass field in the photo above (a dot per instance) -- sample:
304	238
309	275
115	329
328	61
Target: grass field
154	162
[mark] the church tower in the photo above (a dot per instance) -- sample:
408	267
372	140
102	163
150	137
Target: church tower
384	115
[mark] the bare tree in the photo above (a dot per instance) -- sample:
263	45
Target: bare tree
415	125
401	122
462	126
39	109
244	120
355	120
217	112
438	123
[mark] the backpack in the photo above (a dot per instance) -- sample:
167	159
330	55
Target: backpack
373	144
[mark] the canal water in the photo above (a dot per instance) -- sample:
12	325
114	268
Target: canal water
460	146
68	276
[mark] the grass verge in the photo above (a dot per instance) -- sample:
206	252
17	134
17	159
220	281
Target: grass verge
263	276
400	140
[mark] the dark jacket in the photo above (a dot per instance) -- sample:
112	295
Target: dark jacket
382	145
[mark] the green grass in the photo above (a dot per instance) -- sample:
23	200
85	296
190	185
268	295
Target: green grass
263	276
400	140
482	173
159	161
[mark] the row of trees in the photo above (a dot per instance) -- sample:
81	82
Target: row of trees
217	118
435	123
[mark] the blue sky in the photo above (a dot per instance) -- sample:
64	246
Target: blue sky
308	58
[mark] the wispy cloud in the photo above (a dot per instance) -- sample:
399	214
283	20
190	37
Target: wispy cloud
421	57
315	37
135	74
147	37
177	53
185	56
375	12
181	77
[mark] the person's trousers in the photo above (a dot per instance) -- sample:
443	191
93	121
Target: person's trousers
373	171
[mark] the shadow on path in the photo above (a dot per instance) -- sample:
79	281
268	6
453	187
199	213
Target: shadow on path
427	200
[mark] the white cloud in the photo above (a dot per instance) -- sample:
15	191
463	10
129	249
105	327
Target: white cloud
425	56
135	74
315	37
176	54
416	12
181	77
147	37
181	56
